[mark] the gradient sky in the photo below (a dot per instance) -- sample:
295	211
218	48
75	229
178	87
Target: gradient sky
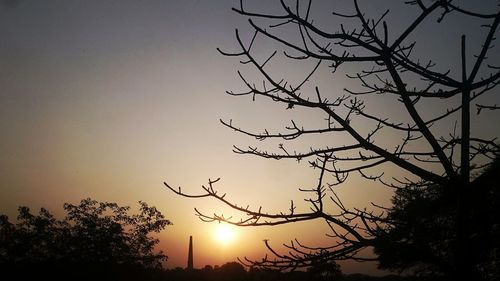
108	99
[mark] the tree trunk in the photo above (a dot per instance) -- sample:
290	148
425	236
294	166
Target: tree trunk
466	259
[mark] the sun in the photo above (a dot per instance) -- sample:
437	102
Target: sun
225	233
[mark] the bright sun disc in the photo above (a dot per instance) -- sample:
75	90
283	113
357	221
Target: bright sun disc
225	234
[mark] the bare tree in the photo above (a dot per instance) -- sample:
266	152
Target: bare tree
386	68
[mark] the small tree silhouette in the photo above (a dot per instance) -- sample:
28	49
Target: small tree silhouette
420	140
324	269
231	271
93	236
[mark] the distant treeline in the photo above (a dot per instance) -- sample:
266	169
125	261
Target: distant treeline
232	271
102	241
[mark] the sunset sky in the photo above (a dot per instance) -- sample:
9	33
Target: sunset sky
108	99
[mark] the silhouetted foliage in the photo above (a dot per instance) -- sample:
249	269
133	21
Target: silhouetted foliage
234	272
231	271
422	231
421	236
94	237
429	139
324	269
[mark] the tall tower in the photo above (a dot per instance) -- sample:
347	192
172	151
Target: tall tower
190	254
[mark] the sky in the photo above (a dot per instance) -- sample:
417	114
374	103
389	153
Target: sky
109	99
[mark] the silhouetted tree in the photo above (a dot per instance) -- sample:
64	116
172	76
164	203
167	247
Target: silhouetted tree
93	235
435	160
231	271
421	233
324	269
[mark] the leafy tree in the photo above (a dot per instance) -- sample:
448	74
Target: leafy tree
429	139
99	233
421	234
324	269
231	271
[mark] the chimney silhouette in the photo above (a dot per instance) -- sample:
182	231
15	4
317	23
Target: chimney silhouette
190	254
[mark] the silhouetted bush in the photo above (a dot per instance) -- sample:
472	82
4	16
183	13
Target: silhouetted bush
94	239
423	238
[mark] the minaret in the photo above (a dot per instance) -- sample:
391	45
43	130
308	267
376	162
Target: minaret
190	254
